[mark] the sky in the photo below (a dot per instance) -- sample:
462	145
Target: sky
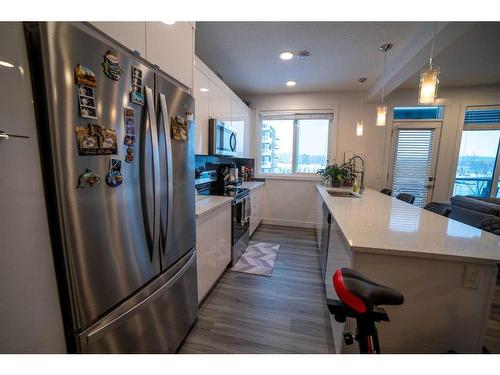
479	143
310	142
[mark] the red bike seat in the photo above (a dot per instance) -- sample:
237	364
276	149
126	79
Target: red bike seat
361	294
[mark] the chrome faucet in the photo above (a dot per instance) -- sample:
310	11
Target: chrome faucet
351	160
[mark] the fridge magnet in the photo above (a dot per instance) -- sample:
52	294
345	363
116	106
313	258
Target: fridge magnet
114	176
86	102
129	158
95	140
85	76
129	140
136	95
190	116
129	121
179	128
111	66
88	178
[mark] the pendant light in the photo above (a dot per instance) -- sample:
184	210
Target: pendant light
382	108
359	124
429	79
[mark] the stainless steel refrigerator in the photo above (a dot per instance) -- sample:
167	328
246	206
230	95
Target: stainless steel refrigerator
126	250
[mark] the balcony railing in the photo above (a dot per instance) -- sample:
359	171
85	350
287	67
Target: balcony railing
477	186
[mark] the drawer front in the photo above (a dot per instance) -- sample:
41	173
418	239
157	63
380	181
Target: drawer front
155	320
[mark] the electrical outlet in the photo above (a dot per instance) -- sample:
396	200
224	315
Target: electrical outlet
472	277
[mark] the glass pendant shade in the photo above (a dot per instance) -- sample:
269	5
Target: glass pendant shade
381	115
429	82
359	128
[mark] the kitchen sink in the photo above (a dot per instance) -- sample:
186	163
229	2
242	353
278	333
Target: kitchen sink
342	194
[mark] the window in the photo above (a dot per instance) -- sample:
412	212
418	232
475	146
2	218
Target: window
478	156
293	143
418	113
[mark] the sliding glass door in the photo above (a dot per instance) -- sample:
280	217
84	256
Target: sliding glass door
414	155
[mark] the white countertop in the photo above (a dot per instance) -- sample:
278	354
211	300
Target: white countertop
381	224
252	184
207	203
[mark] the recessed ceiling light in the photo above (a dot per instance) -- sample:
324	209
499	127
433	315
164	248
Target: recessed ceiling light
287	55
5	63
168	22
204	89
291	83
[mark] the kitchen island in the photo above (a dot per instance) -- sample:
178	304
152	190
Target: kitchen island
445	269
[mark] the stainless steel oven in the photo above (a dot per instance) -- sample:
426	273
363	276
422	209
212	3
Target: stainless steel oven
240	235
222	138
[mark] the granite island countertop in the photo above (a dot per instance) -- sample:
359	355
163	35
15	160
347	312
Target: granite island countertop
381	224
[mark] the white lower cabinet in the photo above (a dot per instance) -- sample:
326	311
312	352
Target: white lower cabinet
257	202
213	242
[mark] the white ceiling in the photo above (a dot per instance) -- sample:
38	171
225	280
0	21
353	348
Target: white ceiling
246	54
473	59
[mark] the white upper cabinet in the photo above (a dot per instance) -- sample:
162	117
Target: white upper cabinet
238	124
224	105
131	34
202	93
216	98
171	47
249	134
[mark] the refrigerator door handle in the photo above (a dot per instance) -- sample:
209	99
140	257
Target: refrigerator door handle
151	114
168	149
101	330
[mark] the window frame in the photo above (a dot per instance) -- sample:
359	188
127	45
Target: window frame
470	127
331	145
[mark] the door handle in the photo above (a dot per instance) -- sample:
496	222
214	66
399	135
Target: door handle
168	149
151	115
4	136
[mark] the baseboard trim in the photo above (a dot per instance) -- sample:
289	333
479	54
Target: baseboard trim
289	223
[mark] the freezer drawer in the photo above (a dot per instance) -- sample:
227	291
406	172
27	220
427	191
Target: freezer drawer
155	320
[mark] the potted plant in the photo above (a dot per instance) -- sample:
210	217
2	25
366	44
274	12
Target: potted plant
337	174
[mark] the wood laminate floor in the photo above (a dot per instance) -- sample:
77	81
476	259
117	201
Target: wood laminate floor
284	313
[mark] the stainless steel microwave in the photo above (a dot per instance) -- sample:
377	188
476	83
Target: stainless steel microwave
222	138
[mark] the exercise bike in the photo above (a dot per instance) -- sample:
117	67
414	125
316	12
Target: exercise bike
359	299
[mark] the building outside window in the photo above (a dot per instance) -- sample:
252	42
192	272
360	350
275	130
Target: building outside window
293	143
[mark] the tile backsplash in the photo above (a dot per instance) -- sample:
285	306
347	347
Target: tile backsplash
207	162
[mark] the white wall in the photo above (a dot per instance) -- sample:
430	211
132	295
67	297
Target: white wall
455	100
291	202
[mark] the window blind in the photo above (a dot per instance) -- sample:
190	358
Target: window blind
295	116
486	115
412	161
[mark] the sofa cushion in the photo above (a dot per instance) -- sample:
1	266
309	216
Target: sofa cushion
470	217
476	205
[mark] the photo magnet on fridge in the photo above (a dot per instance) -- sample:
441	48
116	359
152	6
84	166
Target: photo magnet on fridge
86	102
178	129
95	140
85	76
136	95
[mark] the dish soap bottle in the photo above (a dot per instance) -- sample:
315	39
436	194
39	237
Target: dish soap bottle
355	186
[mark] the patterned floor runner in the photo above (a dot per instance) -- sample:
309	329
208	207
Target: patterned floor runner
257	259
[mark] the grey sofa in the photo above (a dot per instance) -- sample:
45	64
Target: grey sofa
482	213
